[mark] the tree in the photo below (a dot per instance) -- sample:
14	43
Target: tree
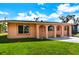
62	18
36	19
3	27
67	18
70	17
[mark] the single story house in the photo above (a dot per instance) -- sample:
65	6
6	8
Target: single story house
37	29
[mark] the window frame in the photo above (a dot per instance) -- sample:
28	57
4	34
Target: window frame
50	27
23	29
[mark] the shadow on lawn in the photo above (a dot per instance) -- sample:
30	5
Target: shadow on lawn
4	39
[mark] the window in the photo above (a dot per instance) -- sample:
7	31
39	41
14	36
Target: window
23	29
26	29
20	29
50	28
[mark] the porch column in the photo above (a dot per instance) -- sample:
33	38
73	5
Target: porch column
37	31
46	31
70	30
55	31
62	31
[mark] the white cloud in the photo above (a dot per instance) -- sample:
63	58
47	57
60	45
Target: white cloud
21	16
24	16
42	16
35	15
3	13
28	18
53	15
32	14
42	8
31	17
1	19
67	8
60	11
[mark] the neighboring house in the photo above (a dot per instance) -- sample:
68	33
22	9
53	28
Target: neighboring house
75	24
71	20
37	29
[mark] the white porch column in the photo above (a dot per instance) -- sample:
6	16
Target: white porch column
46	31
37	31
70	30
62	31
55	31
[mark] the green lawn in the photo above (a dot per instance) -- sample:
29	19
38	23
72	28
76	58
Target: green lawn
36	47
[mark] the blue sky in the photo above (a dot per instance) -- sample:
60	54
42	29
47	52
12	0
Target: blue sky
46	11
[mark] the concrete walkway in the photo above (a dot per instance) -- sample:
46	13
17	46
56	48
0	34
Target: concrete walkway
67	39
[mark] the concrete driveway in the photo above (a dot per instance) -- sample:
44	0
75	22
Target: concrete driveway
67	39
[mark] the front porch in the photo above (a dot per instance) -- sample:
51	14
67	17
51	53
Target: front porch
53	31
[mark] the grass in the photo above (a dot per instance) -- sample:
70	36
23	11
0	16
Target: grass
36	47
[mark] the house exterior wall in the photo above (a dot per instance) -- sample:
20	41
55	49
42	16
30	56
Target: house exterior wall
37	31
50	34
65	33
13	31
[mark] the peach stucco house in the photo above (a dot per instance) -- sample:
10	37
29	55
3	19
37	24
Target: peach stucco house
38	29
